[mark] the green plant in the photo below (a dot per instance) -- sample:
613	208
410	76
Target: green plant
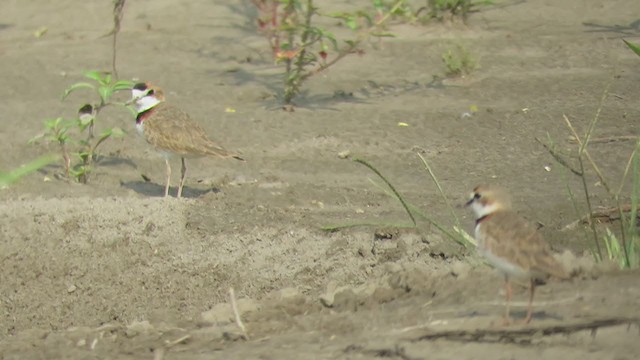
306	49
458	235
458	61
616	251
397	9
449	9
634	47
76	137
8	178
434	10
626	250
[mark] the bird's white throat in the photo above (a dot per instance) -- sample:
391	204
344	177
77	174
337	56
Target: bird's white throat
482	210
137	94
146	102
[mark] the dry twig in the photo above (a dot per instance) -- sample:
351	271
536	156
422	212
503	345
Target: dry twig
608	139
236	313
525	334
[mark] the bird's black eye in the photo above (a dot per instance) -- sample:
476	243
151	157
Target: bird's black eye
140	86
477	196
151	92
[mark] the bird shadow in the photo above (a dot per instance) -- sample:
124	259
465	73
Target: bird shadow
633	28
109	160
150	189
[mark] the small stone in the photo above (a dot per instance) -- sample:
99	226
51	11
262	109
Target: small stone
138	327
223	313
344	154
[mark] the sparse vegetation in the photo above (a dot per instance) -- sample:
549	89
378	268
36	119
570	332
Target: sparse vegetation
458	234
434	10
626	249
458	61
306	49
76	137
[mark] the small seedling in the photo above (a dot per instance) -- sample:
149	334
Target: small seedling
306	49
458	62
76	137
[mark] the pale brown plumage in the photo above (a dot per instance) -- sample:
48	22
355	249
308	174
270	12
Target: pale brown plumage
511	244
526	248
170	129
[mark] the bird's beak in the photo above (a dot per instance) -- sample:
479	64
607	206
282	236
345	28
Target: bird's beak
469	202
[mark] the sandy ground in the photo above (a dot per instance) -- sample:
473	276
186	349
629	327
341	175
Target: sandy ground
113	270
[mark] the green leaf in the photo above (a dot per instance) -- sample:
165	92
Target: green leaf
632	46
117	132
105	93
80	85
365	16
351	23
382	34
122	85
113	132
98	76
339	15
36	138
17	174
332	38
52	123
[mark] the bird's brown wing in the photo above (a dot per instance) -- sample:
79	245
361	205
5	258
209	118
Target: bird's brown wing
514	238
171	129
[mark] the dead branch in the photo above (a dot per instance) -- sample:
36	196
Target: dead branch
236	314
559	158
604	140
526	334
606	215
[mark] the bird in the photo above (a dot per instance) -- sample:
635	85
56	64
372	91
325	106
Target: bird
171	131
511	244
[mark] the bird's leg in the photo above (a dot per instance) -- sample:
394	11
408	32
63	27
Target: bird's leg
508	293
183	172
532	289
166	188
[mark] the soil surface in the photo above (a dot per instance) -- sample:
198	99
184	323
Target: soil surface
114	270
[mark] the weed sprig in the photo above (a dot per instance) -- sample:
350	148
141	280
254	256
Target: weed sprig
76	137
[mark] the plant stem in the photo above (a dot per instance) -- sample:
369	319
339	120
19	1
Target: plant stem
65	156
294	73
393	189
352	46
118	6
435	180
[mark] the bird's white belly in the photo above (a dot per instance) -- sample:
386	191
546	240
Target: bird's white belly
140	128
501	264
